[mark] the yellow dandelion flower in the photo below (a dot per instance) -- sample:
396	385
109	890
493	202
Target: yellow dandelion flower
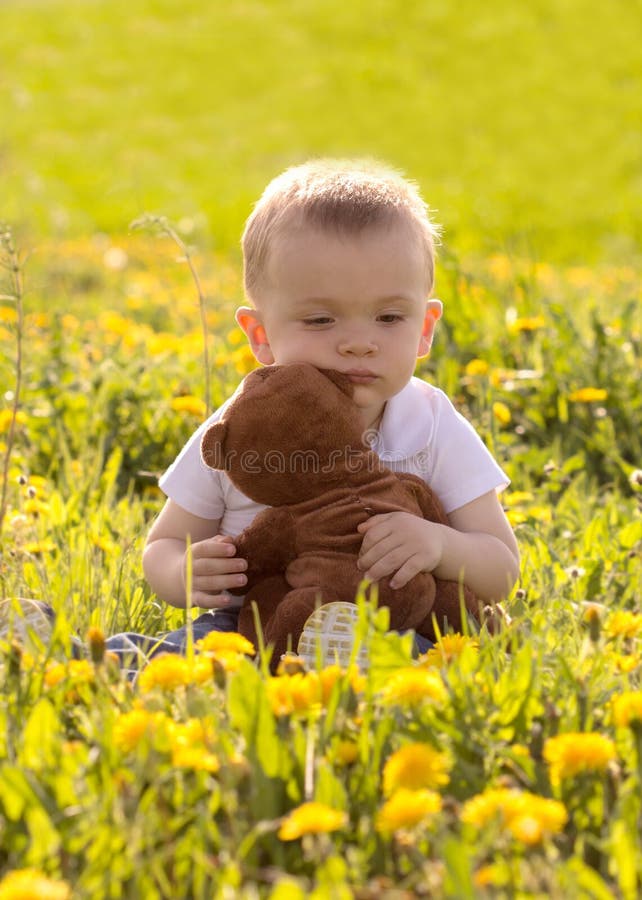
35	507
526	323
501	413
189	404
243	360
30	884
131	728
626	662
8	314
311	818
528	817
415	767
298	693
476	367
78	671
518	498
407	809
344	753
69	322
235	337
588	395
626	708
196	758
624	624
159	343
6	415
329	676
576	753
169	671
36	548
115	324
193	731
37	320
492	874
448	648
412	686
103	543
225	642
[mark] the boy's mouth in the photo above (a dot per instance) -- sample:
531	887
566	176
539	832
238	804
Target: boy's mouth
361	376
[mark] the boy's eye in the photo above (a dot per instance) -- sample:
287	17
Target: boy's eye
318	320
389	318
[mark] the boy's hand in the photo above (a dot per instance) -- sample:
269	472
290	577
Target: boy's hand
399	543
215	568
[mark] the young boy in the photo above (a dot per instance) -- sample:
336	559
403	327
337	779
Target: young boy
339	269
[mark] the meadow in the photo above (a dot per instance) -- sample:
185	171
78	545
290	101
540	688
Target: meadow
500	766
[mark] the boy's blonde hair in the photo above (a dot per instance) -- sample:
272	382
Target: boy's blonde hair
338	195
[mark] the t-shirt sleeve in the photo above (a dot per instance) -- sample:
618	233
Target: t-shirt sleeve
191	483
461	466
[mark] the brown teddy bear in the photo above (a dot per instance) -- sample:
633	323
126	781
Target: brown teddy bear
292	439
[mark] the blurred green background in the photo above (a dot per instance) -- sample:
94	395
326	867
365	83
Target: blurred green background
520	121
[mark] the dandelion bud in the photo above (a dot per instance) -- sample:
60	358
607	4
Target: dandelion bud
592	616
219	672
96	641
537	741
290	664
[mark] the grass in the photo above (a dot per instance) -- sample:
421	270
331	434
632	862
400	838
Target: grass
524	748
519	123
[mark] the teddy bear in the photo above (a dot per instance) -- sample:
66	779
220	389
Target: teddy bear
291	439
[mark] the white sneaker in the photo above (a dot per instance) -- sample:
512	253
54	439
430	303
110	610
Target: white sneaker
25	619
329	635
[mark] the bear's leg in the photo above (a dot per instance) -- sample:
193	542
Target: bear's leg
267	595
284	628
411	605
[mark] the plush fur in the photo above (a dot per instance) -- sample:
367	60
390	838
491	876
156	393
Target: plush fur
292	439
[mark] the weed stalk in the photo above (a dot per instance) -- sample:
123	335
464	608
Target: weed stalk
10	261
163	225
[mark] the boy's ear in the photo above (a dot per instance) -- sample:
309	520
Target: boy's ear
433	313
213	446
249	321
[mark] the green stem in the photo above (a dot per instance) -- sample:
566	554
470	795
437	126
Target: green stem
12	263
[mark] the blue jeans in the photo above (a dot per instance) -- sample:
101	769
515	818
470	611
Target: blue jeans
134	649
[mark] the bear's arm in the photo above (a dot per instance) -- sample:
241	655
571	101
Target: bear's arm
267	545
430	505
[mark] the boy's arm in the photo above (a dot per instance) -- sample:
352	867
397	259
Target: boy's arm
478	545
215	565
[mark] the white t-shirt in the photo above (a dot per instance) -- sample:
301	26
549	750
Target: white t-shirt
421	432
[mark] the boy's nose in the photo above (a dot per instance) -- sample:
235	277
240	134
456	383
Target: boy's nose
357	346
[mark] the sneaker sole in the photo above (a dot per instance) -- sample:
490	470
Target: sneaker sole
329	635
24	619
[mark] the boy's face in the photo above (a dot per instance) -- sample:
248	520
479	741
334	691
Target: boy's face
354	303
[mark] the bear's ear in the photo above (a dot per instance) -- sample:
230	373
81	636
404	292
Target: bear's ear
339	380
213	446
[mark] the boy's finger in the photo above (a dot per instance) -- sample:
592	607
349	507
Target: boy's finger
213	547
210	565
369	523
210	601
